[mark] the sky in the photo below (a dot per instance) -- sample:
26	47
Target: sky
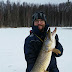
39	1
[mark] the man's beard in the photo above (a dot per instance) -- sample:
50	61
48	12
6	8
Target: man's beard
41	30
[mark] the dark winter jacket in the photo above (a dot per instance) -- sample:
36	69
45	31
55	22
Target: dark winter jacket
33	46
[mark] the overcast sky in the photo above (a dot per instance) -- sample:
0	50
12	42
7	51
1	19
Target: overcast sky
39	1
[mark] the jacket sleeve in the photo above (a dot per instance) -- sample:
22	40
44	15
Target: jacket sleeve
29	55
58	46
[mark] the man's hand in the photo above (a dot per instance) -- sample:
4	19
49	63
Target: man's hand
56	51
46	71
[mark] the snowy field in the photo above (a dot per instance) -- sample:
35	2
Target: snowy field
12	54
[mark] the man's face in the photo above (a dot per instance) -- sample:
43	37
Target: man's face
40	23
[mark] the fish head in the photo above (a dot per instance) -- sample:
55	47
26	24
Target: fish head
49	40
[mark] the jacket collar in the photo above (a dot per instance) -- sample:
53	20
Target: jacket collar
38	32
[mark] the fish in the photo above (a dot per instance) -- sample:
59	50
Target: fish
44	57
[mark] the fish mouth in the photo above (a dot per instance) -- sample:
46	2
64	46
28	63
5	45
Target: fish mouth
49	34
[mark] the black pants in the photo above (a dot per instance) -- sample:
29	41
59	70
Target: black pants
54	70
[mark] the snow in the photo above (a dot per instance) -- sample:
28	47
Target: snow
12	49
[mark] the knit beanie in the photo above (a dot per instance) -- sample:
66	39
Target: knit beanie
38	15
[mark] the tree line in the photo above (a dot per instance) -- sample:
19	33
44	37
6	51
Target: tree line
20	15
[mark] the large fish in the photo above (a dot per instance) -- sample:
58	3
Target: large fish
44	56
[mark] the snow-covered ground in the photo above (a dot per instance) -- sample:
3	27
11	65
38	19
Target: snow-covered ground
12	53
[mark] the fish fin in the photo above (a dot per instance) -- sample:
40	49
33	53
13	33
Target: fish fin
56	51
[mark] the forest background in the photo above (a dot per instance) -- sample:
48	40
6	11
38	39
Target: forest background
20	15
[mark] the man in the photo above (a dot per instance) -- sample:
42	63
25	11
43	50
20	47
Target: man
34	41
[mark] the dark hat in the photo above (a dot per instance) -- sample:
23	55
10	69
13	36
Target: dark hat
38	15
